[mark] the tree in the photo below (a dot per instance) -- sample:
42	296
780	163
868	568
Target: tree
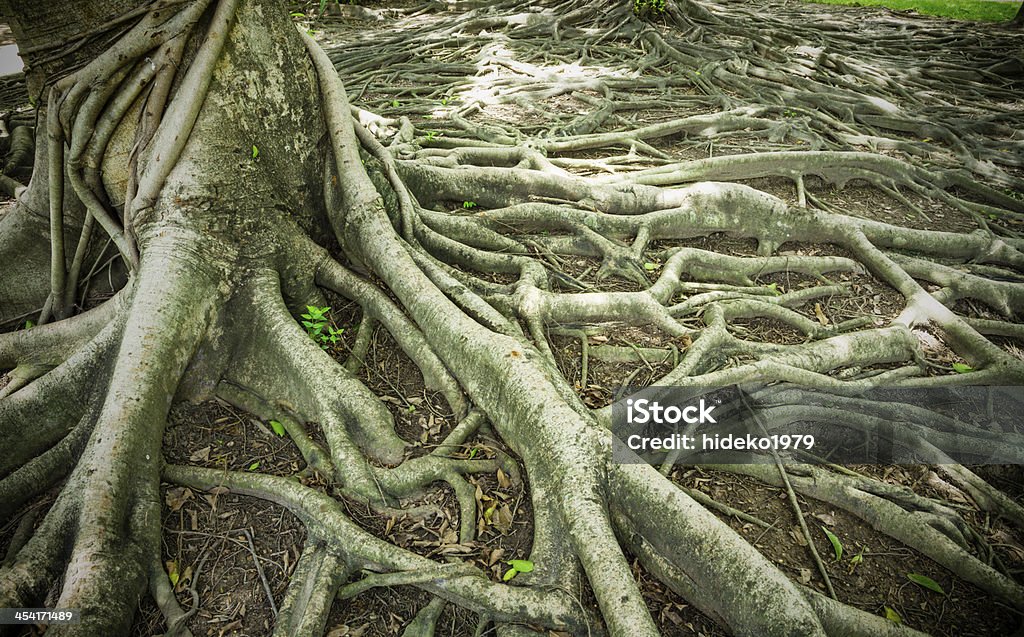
212	144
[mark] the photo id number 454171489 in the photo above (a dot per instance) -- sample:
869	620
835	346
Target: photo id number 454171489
39	616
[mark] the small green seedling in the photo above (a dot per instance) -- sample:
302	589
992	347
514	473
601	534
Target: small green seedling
254	466
277	427
962	368
255	151
651	7
837	546
394	103
926	582
469	204
856	560
432	135
315	319
318	326
473	452
332	335
518	566
651	267
774	288
29	324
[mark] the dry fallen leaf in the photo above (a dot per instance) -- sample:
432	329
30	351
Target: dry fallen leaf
177	497
503	480
503	519
798	537
827	518
496	555
184	580
820	314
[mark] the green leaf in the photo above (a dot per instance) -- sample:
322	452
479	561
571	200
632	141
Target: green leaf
509	574
651	266
472	452
856	560
962	368
469	204
523	566
893	616
254	466
926	582
394	103
774	287
255	152
277	427
837	546
29	324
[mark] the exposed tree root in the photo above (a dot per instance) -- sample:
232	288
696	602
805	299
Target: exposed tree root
472	245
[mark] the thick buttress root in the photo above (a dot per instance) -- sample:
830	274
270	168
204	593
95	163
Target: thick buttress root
471	298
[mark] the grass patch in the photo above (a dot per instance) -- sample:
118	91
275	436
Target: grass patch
975	10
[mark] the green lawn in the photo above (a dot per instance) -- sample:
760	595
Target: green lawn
959	10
